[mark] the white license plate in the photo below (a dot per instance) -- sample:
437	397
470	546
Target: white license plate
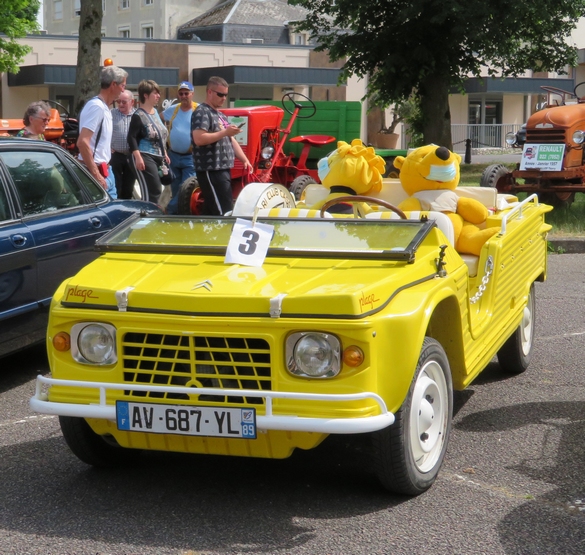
186	420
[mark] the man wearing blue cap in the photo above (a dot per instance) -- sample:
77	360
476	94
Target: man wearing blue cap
177	118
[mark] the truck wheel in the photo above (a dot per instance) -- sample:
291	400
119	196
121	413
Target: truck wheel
91	448
298	185
186	191
409	454
558	200
514	355
492	174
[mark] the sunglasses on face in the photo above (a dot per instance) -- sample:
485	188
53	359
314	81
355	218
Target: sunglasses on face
186	93
221	95
44	120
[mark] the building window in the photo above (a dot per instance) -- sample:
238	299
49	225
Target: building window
77	8
124	4
148	2
124	32
148	31
103	6
58	9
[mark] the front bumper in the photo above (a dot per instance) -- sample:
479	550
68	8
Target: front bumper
269	421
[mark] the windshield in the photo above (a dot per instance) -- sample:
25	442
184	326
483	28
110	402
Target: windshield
361	238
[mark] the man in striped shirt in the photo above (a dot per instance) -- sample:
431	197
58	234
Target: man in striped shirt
120	152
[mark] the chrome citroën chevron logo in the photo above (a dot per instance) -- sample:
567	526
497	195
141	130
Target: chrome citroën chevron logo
205	284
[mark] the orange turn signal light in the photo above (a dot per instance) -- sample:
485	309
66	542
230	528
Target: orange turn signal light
353	356
62	341
108	62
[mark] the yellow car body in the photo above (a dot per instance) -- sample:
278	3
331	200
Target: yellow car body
202	354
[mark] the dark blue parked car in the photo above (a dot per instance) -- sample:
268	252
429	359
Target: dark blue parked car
51	213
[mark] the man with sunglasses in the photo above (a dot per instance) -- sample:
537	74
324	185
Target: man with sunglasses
177	118
215	149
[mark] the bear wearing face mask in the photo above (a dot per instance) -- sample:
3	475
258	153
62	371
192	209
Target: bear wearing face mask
430	175
351	169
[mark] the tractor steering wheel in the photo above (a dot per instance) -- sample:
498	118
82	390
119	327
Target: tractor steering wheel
582	94
360	198
290	97
54	103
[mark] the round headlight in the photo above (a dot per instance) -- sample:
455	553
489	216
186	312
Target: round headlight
267	152
96	343
314	355
578	137
511	138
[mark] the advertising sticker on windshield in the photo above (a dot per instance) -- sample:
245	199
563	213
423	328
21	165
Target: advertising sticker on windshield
542	157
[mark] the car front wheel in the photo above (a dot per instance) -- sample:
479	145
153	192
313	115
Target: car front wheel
91	448
409	454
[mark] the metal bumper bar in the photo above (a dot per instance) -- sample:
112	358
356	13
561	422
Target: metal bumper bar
269	421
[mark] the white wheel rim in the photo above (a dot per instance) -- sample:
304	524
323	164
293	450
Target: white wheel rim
428	416
526	328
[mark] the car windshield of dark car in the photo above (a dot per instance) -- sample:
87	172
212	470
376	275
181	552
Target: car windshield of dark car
42	182
392	239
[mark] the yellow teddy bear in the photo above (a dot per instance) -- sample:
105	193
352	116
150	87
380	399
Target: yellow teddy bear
429	175
351	169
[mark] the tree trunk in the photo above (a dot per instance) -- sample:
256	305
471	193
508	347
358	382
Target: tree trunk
87	77
434	93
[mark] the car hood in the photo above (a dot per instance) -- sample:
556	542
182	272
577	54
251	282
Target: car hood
206	286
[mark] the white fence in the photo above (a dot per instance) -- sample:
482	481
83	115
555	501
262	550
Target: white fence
482	136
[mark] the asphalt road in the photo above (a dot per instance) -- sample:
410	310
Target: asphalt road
513	482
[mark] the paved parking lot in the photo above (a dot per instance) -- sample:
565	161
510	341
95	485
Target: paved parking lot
513	481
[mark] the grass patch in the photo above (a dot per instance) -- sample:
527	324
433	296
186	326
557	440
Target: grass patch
566	222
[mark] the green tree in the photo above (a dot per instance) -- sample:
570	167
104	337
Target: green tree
427	47
17	18
89	51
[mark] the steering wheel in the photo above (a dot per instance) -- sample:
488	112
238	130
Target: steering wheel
360	198
58	104
290	97
579	96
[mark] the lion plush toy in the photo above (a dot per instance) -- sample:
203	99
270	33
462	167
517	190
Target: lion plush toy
351	169
429	175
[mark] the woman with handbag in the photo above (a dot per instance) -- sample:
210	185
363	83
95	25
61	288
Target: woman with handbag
147	136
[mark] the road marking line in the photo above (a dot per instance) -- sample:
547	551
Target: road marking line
27	420
574	334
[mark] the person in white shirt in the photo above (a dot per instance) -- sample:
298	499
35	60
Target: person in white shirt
95	128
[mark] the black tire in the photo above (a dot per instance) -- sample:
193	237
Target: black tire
408	455
492	174
184	197
558	200
91	448
514	356
298	185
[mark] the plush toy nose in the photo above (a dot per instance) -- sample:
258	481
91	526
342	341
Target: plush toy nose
442	153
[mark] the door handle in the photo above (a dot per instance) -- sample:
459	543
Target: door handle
18	240
95	222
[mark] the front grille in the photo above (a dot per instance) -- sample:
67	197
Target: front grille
196	361
545	135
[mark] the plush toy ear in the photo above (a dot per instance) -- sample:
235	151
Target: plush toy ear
398	161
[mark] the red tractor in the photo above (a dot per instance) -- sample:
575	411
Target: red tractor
61	129
262	139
